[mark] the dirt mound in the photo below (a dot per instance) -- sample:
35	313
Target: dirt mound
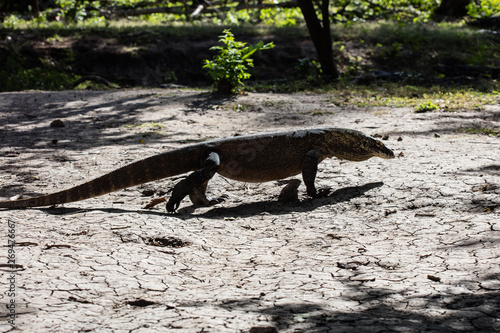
146	59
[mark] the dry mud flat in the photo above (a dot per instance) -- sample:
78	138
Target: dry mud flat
408	245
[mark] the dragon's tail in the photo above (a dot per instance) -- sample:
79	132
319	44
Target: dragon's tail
156	167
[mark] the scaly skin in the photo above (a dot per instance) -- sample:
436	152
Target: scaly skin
250	158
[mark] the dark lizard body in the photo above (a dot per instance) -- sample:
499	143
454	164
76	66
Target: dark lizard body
250	158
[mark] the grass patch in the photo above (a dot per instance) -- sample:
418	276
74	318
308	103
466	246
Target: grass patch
146	125
480	130
429	63
22	73
394	95
149	31
275	103
420	46
318	112
39	78
426	106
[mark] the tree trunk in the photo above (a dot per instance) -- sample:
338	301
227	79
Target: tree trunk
225	87
320	35
35	8
452	9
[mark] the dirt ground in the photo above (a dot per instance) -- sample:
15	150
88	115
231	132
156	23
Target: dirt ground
407	245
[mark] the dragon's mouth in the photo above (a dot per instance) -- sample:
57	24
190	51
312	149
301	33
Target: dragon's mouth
387	154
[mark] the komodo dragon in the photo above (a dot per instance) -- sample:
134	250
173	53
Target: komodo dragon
249	158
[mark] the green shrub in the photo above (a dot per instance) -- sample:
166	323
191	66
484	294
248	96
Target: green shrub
483	8
427	106
229	68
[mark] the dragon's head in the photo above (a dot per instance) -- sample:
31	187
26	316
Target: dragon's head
353	145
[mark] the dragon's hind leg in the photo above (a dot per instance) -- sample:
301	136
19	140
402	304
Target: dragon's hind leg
198	197
195	185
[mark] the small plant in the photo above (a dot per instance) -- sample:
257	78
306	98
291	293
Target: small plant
229	67
425	107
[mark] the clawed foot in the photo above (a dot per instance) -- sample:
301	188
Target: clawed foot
172	205
215	201
321	193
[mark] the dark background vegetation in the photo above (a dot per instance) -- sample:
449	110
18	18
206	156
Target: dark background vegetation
62	44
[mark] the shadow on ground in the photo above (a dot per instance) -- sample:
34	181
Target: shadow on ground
453	313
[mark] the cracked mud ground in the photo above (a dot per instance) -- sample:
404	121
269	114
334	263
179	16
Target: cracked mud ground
408	245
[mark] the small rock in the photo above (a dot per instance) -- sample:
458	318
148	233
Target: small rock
434	278
57	123
148	192
437	135
400	139
388	212
141	303
334	236
348	265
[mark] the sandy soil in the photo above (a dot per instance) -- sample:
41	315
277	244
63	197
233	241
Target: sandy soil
409	244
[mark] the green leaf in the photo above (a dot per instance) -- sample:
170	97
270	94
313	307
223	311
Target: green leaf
232	60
